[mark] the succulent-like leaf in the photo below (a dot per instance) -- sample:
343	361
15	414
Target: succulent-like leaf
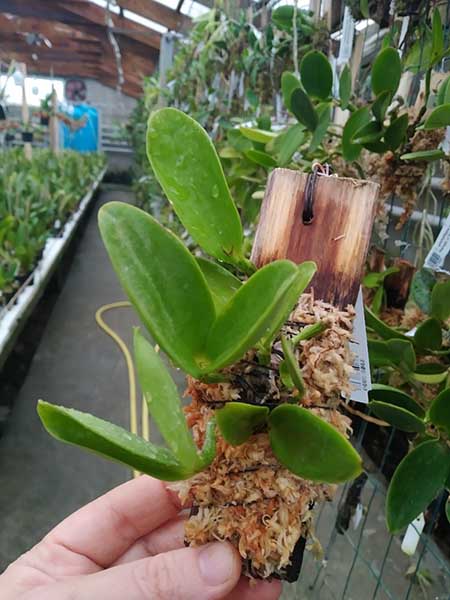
187	167
303	110
238	421
393	353
292	365
416	482
386	71
380	105
440	301
396	132
358	119
162	280
428	155
110	441
431	373
381	328
309	332
289	83
163	401
398	417
439	412
373	280
391	395
428	335
421	287
249	314
261	158
439	117
443	95
372	132
288	143
345	86
310	447
221	283
324	114
316	74
257	135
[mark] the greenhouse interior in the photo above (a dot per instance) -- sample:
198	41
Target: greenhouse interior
162	435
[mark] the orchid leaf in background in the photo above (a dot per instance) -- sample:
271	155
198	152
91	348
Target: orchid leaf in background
288	143
386	71
421	288
439	412
289	83
397	417
162	280
324	114
440	301
345	87
416	482
431	373
380	105
257	135
392	353
428	155
396	132
439	117
309	332
383	330
187	166
395	397
238	421
222	284
310	447
370	133
437	37
316	75
292	365
303	110
443	95
261	158
428	335
358	119
110	441
375	279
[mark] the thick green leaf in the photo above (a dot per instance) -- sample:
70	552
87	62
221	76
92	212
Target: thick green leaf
380	105
416	482
378	300
261	158
428	335
437	37
439	117
238	421
163	401
324	114
424	155
421	287
249	314
303	109
439	412
358	119
292	365
309	332
345	86
386	71
110	441
369	133
431	373
162	280
375	279
288	143
305	273
419	56
187	167
381	328
316	74
391	395
394	353
289	83
311	448
364	8
222	284
396	132
440	301
257	135
443	95
398	417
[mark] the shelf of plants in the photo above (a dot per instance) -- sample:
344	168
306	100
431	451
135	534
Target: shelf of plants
39	218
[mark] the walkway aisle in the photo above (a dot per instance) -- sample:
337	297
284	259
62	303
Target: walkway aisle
78	365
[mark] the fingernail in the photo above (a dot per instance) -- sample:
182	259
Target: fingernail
216	563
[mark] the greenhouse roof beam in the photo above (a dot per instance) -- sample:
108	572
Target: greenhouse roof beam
155	11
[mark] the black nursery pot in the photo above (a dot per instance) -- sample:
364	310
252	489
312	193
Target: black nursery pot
27	136
45	120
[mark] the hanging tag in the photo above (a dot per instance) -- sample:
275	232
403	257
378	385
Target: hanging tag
412	535
360	378
357	516
348	32
436	257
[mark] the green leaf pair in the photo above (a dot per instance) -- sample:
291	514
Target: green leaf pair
304	443
198	313
180	461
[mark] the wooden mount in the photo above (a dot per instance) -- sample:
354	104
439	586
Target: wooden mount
337	239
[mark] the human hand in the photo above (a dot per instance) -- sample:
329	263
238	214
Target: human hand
128	545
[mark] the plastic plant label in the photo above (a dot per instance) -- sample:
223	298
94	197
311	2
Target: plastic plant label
348	32
357	516
360	378
436	257
412	535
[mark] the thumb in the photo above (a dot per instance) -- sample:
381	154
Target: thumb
209	573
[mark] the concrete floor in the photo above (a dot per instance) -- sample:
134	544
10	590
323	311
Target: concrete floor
78	365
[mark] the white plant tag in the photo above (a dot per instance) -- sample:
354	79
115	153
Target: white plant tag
348	32
436	256
412	535
357	516
360	378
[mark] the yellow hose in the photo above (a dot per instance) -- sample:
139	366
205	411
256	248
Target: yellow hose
131	374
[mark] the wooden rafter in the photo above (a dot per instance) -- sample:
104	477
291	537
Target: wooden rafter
155	11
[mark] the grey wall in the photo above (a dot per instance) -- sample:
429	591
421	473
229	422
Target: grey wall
114	107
